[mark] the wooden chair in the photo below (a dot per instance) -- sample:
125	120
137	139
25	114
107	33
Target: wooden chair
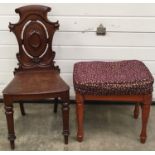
113	81
36	77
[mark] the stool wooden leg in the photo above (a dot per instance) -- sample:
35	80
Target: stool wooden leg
10	121
136	111
65	112
22	108
80	115
55	105
145	115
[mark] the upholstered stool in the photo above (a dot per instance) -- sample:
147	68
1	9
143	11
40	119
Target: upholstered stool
114	81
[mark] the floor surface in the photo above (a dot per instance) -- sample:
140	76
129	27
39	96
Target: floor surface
107	127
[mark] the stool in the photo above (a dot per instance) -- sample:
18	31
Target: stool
128	80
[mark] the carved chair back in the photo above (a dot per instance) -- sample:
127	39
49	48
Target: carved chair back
34	33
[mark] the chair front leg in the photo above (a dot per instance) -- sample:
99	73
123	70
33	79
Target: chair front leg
10	121
80	116
65	114
145	115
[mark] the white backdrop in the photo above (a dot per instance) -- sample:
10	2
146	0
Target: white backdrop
130	35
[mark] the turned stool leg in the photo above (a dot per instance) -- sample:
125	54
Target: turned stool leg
65	112
80	115
10	121
55	105
145	115
22	108
136	111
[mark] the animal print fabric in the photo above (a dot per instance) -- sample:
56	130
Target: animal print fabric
129	77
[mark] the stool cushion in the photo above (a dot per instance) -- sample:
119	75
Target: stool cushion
129	77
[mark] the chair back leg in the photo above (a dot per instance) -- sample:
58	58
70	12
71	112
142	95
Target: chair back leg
55	105
136	111
22	109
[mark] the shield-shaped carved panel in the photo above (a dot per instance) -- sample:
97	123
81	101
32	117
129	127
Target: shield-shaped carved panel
35	39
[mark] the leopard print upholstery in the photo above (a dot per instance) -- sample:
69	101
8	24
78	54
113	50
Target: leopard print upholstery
130	77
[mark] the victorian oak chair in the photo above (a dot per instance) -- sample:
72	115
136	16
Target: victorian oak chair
37	77
128	80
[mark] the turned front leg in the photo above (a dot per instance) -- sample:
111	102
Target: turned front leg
145	115
80	116
10	122
65	113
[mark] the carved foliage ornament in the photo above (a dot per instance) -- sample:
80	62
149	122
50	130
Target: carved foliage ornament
34	33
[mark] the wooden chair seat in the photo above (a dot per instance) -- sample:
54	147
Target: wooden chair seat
36	82
113	81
